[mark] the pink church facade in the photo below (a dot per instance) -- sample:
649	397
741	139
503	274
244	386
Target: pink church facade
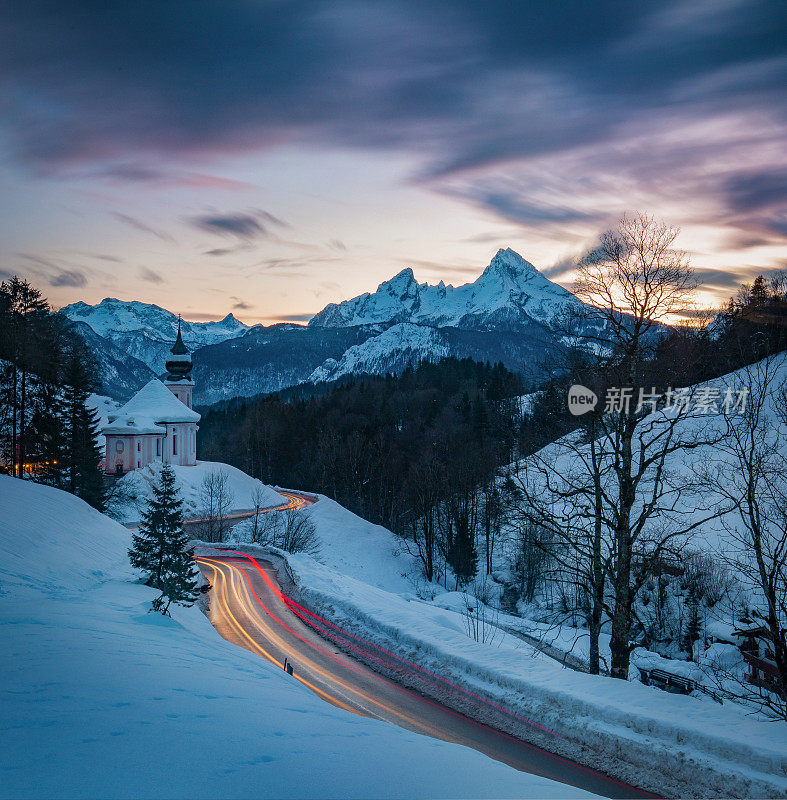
158	424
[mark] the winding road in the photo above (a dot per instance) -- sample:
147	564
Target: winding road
248	608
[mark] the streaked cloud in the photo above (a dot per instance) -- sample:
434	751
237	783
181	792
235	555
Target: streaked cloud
138	225
150	275
70	277
240	224
537	123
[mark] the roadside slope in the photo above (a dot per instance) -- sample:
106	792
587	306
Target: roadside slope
101	698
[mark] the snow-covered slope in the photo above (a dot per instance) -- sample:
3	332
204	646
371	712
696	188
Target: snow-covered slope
120	374
243	489
391	351
147	331
101	699
686	496
510	292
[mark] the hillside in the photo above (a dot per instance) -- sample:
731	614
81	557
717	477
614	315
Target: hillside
102	699
120	374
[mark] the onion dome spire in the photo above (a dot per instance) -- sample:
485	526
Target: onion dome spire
179	363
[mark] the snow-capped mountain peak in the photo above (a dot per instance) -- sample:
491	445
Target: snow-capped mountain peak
510	292
402	283
509	265
146	331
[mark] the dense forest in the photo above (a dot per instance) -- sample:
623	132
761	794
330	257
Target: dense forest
389	448
47	431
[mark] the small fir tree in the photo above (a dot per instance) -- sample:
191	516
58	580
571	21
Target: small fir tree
692	628
160	547
179	578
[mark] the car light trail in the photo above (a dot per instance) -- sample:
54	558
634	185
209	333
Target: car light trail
363	699
242	616
373	652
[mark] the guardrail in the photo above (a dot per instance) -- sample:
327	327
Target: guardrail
676	684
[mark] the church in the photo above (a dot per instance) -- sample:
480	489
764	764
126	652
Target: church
158	423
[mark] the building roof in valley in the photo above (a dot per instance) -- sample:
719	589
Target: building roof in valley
151	406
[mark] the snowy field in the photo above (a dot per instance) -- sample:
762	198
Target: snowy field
102	699
684	745
242	487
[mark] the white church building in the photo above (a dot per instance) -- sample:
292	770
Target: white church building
157	423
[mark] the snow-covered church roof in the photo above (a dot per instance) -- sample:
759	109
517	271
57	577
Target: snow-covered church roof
153	405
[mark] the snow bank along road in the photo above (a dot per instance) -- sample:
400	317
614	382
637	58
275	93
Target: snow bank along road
248	608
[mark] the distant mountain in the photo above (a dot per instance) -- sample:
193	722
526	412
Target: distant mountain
267	359
511	313
510	294
120	374
147	331
392	350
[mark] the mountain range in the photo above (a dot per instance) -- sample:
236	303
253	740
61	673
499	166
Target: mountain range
510	313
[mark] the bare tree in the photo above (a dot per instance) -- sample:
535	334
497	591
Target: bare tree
216	498
556	498
259	502
422	520
491	520
290	530
617	502
750	472
299	534
480	618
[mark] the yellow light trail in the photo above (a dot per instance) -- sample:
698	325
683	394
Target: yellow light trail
254	646
248	606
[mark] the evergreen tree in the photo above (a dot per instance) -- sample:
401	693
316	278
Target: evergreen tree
22	308
462	555
160	548
179	579
83	455
693	627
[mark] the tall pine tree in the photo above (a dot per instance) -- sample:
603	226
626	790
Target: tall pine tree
160	547
83	455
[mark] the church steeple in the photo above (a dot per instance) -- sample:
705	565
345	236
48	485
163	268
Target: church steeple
179	363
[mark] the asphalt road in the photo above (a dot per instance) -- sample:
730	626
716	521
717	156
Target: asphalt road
248	608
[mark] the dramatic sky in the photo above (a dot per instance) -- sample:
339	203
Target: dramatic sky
269	157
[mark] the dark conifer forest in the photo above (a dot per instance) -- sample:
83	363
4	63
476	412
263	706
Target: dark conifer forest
47	431
376	443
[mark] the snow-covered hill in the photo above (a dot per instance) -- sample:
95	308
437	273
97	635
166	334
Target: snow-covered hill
243	490
509	293
147	331
102	699
120	374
